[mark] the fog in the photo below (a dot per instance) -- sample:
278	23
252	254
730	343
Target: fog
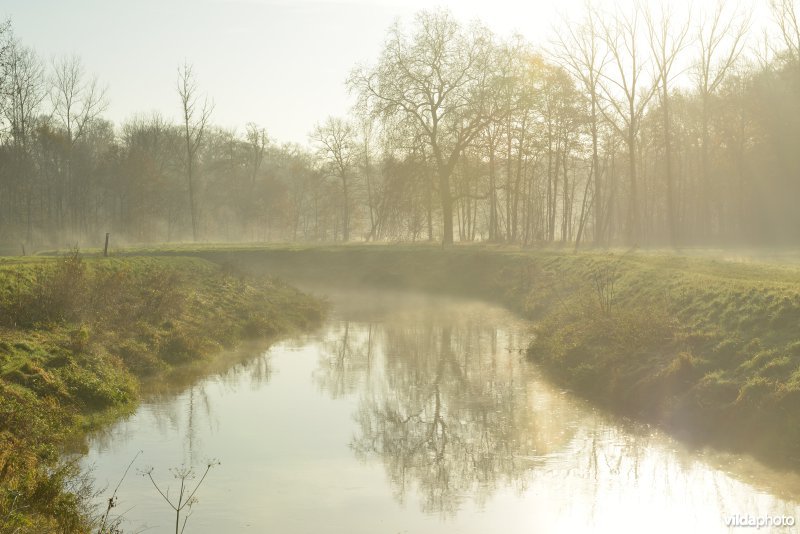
648	124
620	177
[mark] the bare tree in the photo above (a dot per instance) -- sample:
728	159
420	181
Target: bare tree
26	89
787	16
435	79
580	49
6	46
668	38
515	98
337	145
721	39
367	131
196	115
77	101
257	141
628	90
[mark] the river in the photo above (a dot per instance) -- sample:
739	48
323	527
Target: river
419	414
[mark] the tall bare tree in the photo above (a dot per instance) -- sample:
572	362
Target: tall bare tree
336	140
627	88
257	143
367	136
436	79
195	115
6	46
668	38
580	48
25	89
77	101
721	39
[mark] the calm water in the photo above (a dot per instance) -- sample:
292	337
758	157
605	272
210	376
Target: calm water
417	414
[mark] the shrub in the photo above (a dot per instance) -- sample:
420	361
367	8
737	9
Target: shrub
180	347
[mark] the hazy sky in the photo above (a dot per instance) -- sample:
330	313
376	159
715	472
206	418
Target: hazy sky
281	64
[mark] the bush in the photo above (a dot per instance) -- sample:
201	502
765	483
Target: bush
56	293
97	388
138	357
180	347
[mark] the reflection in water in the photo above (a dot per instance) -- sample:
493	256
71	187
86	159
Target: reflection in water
171	410
435	398
446	416
446	403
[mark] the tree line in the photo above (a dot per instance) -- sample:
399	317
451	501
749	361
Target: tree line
643	126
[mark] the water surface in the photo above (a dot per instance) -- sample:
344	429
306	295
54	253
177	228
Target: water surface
408	413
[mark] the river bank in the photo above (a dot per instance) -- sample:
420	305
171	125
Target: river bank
707	349
78	336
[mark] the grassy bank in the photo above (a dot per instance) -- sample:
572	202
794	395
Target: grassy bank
77	337
707	349
711	351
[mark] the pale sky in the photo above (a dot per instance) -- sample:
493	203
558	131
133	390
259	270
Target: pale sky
279	63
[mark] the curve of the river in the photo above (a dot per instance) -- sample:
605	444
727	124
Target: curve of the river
412	413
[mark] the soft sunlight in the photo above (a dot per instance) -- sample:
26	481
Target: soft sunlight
233	44
396	266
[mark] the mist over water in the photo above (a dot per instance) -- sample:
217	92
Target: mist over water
410	413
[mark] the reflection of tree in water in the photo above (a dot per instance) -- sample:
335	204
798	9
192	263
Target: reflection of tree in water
257	371
443	419
346	359
189	411
443	405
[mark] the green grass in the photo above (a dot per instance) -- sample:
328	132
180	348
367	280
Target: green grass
710	350
706	348
78	335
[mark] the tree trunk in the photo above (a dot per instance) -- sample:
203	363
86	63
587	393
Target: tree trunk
670	179
346	214
633	205
447	206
